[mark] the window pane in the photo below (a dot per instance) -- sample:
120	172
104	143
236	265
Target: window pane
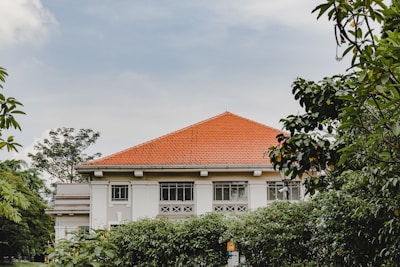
218	193
295	194
234	192
225	193
180	193
164	194
272	192
242	193
280	192
172	193
188	193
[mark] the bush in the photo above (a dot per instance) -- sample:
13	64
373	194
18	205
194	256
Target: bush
159	242
276	235
84	250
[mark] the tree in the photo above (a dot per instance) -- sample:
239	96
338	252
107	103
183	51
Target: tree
9	107
59	153
349	138
11	201
26	233
30	176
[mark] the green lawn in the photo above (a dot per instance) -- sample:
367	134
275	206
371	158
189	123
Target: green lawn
24	264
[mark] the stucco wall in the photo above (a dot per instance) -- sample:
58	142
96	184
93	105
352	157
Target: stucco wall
144	194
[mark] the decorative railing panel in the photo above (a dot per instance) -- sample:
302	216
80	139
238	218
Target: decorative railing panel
230	207
176	208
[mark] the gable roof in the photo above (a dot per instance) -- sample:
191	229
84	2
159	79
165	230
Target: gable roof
226	139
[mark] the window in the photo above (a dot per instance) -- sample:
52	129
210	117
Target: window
176	191
230	191
119	192
283	191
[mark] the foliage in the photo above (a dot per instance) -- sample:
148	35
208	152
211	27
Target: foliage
29	176
191	242
146	242
84	250
9	107
199	241
342	236
25	235
276	235
12	200
360	164
196	241
64	149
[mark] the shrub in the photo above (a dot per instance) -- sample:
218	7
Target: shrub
276	235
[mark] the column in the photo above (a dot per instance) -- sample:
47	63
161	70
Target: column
203	197
257	194
145	199
98	204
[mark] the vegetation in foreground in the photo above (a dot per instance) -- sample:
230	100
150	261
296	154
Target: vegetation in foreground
23	264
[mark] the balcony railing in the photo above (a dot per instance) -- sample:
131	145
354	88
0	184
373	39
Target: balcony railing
179	208
229	206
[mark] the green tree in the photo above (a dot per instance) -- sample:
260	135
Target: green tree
58	154
30	176
12	201
349	138
26	233
9	107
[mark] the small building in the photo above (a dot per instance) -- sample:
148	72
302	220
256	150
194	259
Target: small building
71	209
217	165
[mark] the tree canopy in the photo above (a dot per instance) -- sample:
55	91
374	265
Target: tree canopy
25	229
58	154
9	107
11	200
348	140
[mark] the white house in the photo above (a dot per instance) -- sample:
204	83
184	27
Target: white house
217	165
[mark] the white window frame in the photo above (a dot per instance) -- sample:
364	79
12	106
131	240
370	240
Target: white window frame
119	201
280	191
175	188
233	190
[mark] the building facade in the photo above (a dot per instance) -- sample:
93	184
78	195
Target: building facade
217	165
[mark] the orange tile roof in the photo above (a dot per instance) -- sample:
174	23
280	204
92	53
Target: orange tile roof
226	139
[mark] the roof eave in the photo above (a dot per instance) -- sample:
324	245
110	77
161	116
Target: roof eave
175	168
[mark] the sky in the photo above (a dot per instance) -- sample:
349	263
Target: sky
136	70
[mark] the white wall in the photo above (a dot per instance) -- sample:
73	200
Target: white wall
145	199
257	194
203	197
98	204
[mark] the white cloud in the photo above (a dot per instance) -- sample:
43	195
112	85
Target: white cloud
258	14
24	21
123	11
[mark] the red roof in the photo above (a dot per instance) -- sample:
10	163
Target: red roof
226	139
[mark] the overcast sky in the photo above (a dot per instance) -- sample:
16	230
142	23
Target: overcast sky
135	70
